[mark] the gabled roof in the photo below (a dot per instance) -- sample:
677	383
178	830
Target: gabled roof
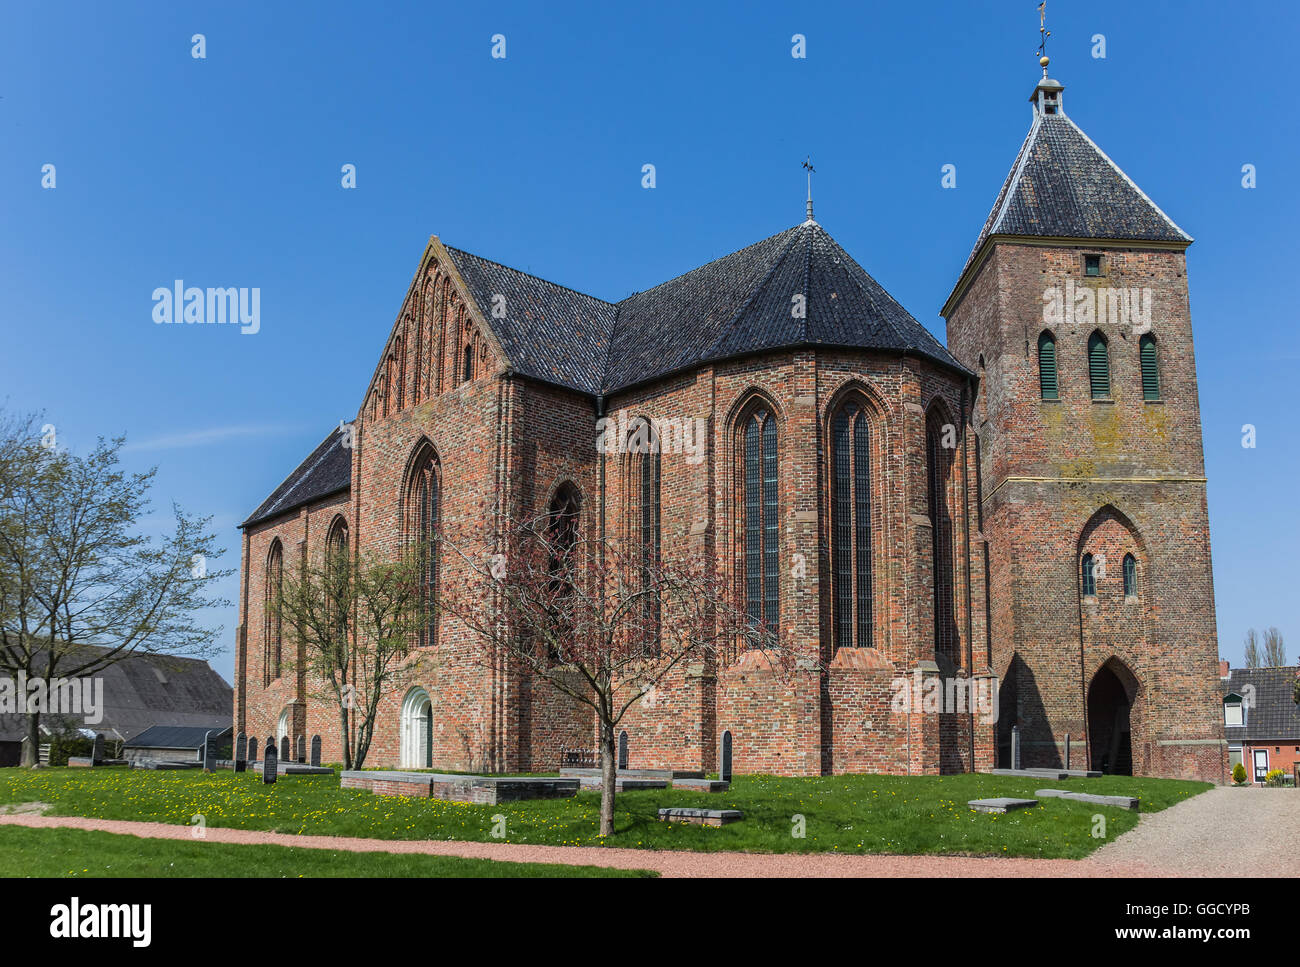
326	471
1063	186
1273	714
174	737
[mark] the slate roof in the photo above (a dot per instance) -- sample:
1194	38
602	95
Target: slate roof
1063	186
733	306
1274	715
173	737
146	690
327	471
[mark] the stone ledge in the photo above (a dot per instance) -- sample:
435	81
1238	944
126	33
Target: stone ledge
484	790
1121	802
702	785
1001	805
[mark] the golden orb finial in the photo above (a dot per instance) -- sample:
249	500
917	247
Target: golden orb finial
1044	61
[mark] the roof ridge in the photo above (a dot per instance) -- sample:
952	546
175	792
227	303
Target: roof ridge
729	326
1013	182
531	275
1131	183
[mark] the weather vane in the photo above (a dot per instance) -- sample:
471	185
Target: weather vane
807	165
1044	33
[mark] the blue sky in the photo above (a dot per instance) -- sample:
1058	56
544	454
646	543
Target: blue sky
225	171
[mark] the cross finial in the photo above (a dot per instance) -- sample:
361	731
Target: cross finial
1043	34
807	165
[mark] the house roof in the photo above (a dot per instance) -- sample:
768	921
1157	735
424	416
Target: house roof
326	471
174	737
142	691
1272	714
1063	186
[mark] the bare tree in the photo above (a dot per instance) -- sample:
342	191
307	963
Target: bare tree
1252	649
601	624
1274	649
80	587
356	620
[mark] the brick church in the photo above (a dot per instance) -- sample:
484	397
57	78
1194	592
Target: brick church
1020	513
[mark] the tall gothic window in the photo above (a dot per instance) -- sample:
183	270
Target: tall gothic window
1089	576
467	366
272	649
336	559
425	495
939	453
563	517
851	526
643	448
1130	576
1047	387
1150	367
760	526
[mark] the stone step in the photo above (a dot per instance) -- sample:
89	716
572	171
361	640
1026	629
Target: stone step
700	817
1001	804
1121	802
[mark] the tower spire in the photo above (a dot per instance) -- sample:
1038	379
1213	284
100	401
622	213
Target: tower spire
1043	34
1047	95
810	169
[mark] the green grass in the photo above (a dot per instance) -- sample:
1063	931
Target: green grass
85	853
851	814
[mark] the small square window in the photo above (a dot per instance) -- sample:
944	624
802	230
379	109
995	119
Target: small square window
1092	265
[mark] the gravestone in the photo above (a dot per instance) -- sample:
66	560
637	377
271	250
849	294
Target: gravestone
270	746
302	749
271	766
284	748
209	753
252	749
622	749
315	750
724	761
97	750
1015	747
241	752
1067	751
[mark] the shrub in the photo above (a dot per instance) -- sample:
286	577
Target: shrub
1239	774
66	743
1275	777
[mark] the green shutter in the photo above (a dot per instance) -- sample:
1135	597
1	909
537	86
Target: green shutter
1098	367
1047	366
1150	370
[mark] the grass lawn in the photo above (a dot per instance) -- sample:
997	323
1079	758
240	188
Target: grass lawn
86	853
853	814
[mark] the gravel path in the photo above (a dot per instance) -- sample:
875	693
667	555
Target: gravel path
1223	832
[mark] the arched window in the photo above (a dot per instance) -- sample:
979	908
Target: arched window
424	492
1099	366
1089	577
1130	576
417	730
467	366
644	466
399	396
851	526
336	562
563	517
1047	387
272	618
1150	367
939	461
760	525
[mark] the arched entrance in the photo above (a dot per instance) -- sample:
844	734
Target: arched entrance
1111	695
417	730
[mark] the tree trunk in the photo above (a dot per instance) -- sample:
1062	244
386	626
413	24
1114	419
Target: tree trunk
32	747
343	735
607	764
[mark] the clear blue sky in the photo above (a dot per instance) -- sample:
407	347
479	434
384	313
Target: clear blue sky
226	172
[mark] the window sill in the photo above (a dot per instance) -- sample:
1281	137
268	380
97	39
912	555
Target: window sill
1105	401
1153	401
1044	399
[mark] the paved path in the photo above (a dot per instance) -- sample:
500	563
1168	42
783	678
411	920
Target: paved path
1223	832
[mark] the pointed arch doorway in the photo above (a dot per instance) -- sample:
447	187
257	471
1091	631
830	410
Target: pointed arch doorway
417	730
1111	696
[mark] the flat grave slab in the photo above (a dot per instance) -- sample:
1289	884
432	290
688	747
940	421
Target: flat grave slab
1121	802
702	785
667	774
700	817
621	783
289	768
1032	773
488	790
164	765
1001	805
88	762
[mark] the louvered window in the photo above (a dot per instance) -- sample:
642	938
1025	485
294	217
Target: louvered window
851	527
1099	366
1130	576
1150	368
1089	577
1047	366
761	526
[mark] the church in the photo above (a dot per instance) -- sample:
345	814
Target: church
1020	512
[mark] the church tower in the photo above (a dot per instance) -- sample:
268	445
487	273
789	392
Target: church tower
1073	310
